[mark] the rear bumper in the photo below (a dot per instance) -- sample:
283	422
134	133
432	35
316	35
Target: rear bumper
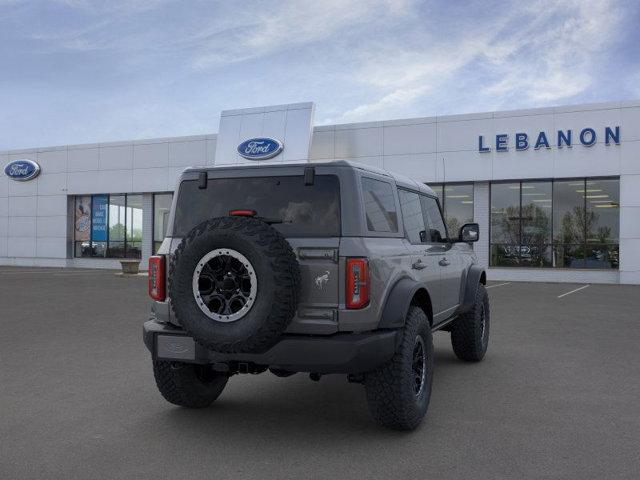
339	353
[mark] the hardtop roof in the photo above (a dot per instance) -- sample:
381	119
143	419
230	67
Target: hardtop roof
400	180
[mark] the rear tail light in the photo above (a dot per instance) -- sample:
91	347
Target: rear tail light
157	278
242	213
357	282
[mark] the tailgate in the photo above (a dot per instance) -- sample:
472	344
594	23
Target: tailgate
320	288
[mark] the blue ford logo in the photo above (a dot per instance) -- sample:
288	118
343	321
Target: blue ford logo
260	148
22	170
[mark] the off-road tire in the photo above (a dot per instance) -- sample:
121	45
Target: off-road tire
188	385
468	337
278	280
391	397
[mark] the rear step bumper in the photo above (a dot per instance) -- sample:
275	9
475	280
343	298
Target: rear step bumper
338	353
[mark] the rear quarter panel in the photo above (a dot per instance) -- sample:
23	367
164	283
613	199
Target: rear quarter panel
389	261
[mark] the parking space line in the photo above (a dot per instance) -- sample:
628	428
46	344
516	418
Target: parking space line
573	291
498	285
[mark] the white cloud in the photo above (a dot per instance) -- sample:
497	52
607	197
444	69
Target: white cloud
397	98
254	33
405	76
554	63
120	6
543	52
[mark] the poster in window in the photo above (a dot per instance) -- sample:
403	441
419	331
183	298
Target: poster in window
83	219
99	214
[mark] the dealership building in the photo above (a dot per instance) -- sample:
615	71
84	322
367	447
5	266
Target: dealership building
556	191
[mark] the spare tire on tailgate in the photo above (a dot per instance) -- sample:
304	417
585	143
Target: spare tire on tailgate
234	284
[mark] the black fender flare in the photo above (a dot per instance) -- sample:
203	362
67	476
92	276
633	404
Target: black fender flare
475	276
398	302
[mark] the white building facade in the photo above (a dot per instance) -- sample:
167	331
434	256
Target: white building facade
556	191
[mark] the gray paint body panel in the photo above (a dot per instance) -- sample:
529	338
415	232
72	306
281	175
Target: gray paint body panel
322	308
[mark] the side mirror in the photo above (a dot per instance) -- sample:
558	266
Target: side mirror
423	236
470	232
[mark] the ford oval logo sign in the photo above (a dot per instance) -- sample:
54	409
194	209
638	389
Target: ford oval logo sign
260	148
22	170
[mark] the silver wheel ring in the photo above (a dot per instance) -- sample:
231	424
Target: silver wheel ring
219	252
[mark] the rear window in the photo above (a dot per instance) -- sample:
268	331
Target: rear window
303	210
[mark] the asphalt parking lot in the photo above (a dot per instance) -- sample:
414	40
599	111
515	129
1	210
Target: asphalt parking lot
558	395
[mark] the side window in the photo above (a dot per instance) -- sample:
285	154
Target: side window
380	206
437	232
412	216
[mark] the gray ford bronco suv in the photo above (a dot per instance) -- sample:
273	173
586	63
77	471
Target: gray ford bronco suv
318	268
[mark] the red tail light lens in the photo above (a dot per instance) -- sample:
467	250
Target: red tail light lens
242	213
157	278
357	282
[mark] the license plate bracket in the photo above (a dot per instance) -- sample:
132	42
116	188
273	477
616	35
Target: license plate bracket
175	347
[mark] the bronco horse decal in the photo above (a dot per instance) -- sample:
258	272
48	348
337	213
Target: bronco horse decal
321	280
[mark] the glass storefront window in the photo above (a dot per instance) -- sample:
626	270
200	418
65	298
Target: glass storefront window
505	224
603	223
117	219
161	209
99	225
82	226
568	212
535	248
603	211
563	224
569	223
108	226
134	226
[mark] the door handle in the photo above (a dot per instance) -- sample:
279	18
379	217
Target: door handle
444	262
418	265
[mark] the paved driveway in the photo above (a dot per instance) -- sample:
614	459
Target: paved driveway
558	396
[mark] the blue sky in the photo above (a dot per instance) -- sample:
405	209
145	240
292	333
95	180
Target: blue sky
76	71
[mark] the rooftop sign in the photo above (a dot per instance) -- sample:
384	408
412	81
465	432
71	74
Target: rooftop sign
564	138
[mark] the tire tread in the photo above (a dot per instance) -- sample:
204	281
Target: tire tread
466	331
389	390
182	387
